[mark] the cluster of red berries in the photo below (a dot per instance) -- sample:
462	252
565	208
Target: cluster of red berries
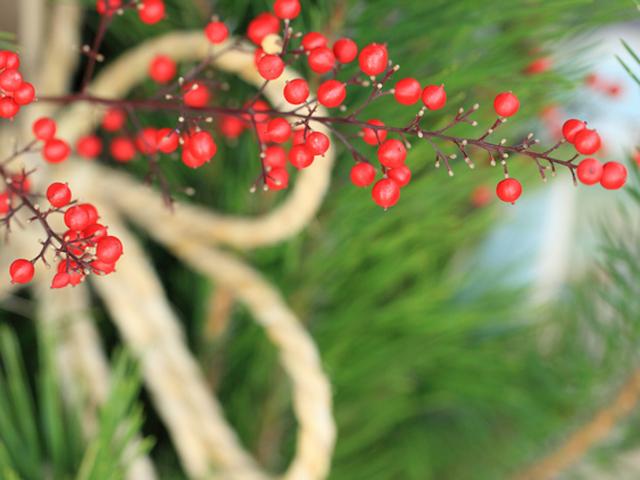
54	150
85	247
14	91
149	11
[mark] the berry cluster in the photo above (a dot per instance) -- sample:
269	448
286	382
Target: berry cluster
14	91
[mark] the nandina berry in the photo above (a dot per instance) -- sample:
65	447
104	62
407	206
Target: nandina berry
114	119
5	203
539	65
162	69
94	232
55	150
571	128
21	271
587	141
373	59
407	91
345	50
300	156
146	141
261	26
386	193
76	218
74	243
270	67
279	130
103	268
89	146
401	175
257	55
108	6
321	60
60	280
216	32
509	190
296	91
8	107
318	143
275	157
287	9
44	128
58	194
259	107
109	249
332	93
373	136
614	175
506	104
313	40
202	146
392	153
10	80
589	171
191	161
363	174
232	127
196	95
167	140
91	211
434	97
24	94
277	179
151	11
122	149
299	136
10	60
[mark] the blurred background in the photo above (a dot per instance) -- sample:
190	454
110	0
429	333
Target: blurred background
463	338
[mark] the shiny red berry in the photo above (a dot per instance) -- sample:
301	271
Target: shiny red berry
614	175
44	128
296	91
24	94
571	128
275	157
89	146
55	150
114	119
10	80
151	11
9	59
8	107
362	174
373	136
261	26
167	140
232	127
21	271
162	69
122	149
60	280
108	6
277	179
332	93
587	141
58	194
270	67
506	104
76	218
5	203
509	190
401	175
386	193
91	211
318	142
407	91
373	59
202	146
589	171
321	60
216	32
146	141
313	40
434	97
300	156
287	9
278	130
345	50
197	95
392	153
191	161
109	249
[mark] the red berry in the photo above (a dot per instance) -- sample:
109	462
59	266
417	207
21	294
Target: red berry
122	149
114	119
232	127
300	156
392	153
58	194
279	130
216	32
202	146
103	268
76	218
109	249
407	91
481	196
401	175
434	97
571	128
24	94
373	59
332	93
275	157
21	271
146	141
614	175
318	143
162	69
261	26
93	232
363	174
539	65
151	11
167	140
509	190
9	59
299	136
5	203
89	146
60	280
10	80
191	161
313	40
8	108
506	104
374	136
345	50
386	193
321	60
91	211
277	179
197	95
108	6
270	67
44	128
55	150
589	171
587	142
287	9
296	91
